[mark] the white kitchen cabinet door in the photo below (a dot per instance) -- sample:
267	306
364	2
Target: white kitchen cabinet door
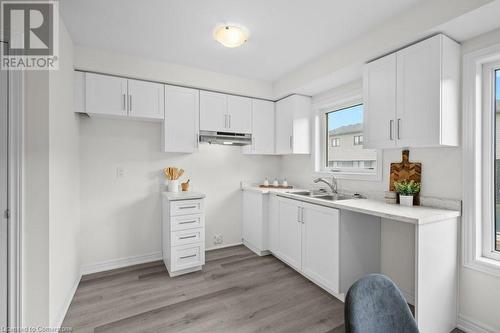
379	88
239	113
146	100
290	233
422	92
320	245
105	95
284	126
180	128
262	128
213	112
254	221
293	116
273	223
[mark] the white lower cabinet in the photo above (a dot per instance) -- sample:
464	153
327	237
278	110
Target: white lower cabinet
183	234
254	217
326	245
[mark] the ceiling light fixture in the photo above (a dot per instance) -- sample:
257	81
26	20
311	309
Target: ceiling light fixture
230	35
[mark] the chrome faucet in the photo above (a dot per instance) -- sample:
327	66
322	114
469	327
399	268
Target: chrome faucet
332	185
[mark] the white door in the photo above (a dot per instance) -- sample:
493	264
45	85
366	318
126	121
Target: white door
180	128
253	221
145	100
240	114
320	245
379	90
105	95
3	195
290	233
419	94
262	128
284	126
213	112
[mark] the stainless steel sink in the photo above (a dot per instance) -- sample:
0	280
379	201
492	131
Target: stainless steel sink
306	193
333	197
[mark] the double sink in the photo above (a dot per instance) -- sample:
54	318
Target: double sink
323	195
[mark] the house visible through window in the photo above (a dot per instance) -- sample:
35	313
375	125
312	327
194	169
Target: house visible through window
346	126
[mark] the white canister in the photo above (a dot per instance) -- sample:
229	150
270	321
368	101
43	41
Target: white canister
406	200
173	185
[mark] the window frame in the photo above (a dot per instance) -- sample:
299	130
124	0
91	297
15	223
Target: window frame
327	105
478	195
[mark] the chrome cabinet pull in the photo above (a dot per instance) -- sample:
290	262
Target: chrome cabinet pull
391	123
229	121
124	102
291	142
130	102
188	222
399	127
302	215
190	256
187	207
225	121
187	237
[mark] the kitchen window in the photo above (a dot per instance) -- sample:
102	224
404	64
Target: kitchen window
346	125
481	153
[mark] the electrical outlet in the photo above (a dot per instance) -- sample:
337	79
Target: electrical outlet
218	239
120	172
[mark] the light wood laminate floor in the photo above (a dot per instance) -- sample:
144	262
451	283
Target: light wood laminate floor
237	291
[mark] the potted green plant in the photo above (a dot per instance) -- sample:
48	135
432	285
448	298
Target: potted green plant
406	189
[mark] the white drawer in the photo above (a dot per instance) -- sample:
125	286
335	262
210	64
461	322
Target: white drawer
189	236
183	222
188	256
186	207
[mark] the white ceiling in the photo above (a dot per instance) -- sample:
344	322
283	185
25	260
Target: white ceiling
284	34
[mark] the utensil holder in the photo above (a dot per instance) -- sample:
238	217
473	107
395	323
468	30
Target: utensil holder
173	186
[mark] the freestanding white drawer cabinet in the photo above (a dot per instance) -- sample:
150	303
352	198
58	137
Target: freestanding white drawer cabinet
183	232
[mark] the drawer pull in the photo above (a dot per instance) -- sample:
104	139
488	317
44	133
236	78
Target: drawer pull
190	256
188	222
187	207
187	237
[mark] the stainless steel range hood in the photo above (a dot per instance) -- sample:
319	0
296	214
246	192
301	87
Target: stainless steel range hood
226	138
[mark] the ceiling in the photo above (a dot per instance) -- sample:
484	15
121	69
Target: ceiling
284	34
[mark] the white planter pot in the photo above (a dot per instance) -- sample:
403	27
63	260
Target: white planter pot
406	200
173	186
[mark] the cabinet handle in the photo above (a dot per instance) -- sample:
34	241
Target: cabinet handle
391	122
124	102
187	207
302	215
225	121
187	237
196	138
188	222
399	127
190	256
229	121
291	142
130	102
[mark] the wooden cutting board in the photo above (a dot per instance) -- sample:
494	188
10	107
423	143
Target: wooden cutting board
406	170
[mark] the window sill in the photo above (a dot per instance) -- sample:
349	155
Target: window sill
485	265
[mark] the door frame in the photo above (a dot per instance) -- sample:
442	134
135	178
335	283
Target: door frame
15	183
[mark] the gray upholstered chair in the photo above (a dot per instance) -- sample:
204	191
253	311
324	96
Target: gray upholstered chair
374	304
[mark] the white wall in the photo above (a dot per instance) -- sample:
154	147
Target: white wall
64	200
135	67
120	217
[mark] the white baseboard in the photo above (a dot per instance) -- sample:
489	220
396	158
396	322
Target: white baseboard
218	247
67	303
119	263
470	325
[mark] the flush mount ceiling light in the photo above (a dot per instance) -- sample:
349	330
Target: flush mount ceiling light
231	35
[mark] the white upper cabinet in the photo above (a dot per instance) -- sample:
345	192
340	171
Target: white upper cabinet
422	81
239	111
180	128
379	85
105	95
293	125
263	128
213	112
145	99
225	113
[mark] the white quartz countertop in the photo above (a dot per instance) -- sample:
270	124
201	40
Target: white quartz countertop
414	215
173	196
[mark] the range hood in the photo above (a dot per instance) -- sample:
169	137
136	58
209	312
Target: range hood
226	138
